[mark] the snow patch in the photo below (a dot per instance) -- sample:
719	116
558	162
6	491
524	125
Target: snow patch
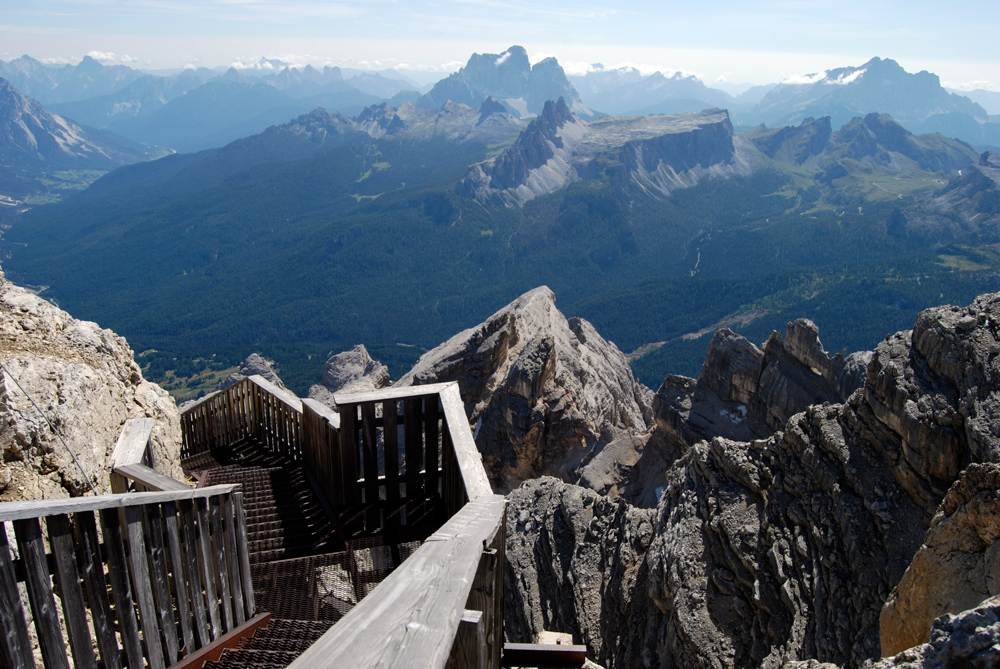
737	416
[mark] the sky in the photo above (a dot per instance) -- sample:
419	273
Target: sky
722	41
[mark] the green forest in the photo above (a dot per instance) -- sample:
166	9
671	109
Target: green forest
200	260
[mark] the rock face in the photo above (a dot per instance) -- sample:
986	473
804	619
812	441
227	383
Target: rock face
560	578
254	364
655	154
956	568
969	639
352	371
546	392
784	549
86	382
744	392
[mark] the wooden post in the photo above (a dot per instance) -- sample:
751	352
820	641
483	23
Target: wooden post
469	650
97	589
68	578
121	586
14	641
143	587
413	447
43	604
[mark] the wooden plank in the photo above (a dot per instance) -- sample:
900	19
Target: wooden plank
97	589
51	507
469	649
413	448
431	447
121	587
43	604
132	442
150	478
161	583
207	561
142	587
390	437
242	544
323	411
349	454
543	655
286	397
412	617
68	580
192	546
470	462
15	643
179	570
233	559
213	651
393	393
499	544
370	453
221	561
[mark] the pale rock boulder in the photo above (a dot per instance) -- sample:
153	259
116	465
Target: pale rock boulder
352	371
546	393
85	380
969	639
956	568
253	365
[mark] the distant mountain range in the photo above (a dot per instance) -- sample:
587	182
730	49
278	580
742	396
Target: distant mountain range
157	110
398	224
37	146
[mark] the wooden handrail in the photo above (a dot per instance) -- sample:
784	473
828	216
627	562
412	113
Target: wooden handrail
141	576
50	507
131	461
413	617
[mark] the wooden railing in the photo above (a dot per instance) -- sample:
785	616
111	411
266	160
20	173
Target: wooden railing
443	607
143	577
253	408
132	461
444	604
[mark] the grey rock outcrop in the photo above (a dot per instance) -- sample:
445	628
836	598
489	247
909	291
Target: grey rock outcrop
784	549
85	380
351	371
744	392
969	639
254	364
561	575
550	392
956	568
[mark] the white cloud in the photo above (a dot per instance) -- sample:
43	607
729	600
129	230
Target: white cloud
58	60
452	66
805	78
502	58
721	79
845	79
974	85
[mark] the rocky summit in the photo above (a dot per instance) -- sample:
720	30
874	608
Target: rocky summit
544	392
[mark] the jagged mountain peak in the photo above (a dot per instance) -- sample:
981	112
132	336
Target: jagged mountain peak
508	77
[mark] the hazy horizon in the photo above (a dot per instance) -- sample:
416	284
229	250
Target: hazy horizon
725	42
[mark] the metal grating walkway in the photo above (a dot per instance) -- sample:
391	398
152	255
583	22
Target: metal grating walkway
308	568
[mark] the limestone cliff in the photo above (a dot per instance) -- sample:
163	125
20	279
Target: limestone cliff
85	380
545	392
